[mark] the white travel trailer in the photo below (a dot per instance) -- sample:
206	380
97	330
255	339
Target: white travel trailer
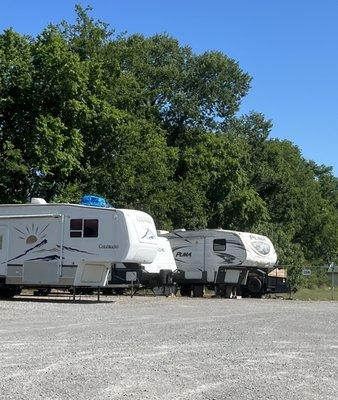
156	275
217	258
69	245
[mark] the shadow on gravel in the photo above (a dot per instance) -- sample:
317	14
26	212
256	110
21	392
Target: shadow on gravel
25	299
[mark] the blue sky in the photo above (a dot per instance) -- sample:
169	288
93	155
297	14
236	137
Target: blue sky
290	48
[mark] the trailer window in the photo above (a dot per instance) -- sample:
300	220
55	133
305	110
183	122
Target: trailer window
75	234
91	228
220	244
76	227
84	228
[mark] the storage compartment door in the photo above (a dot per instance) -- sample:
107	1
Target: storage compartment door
40	273
92	274
235	276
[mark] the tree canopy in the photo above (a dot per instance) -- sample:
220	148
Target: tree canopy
149	124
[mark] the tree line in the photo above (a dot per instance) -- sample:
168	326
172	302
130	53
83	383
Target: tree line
149	124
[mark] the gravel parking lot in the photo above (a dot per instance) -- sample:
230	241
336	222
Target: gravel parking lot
168	348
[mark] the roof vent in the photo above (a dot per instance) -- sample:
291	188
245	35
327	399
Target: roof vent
38	200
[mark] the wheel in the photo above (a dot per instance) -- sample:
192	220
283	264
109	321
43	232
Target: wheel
224	291
165	276
8	292
198	290
18	290
42	292
255	286
185	290
162	290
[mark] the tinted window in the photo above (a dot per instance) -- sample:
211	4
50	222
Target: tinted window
220	244
84	228
76	224
91	228
76	228
0	242
76	234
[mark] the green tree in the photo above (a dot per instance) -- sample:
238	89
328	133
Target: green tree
149	124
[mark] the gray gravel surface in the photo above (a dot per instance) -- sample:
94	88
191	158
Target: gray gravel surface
168	348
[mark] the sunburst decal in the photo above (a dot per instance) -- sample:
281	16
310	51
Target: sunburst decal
32	233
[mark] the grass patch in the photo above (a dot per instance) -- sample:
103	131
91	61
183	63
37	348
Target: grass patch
322	293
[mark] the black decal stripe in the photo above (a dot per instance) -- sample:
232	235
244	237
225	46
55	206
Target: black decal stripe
76	250
45	250
235	243
142	237
29	250
47	258
184	262
186	240
230	259
180	247
152	236
232	264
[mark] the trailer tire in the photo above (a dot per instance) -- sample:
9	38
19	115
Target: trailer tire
255	286
224	291
42	292
185	290
165	277
8	292
198	290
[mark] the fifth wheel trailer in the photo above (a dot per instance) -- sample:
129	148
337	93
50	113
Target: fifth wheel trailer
69	245
221	260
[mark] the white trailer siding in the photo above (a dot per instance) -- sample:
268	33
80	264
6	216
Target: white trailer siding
31	238
145	273
205	247
189	255
163	260
80	242
260	250
142	234
219	256
202	253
